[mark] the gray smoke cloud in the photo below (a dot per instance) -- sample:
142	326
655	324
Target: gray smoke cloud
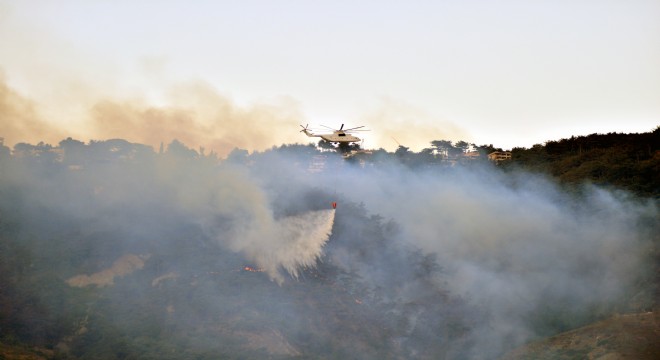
514	245
462	262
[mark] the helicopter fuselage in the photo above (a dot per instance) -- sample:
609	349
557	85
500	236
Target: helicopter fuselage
340	137
336	137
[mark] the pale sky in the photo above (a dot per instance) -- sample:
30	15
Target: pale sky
508	73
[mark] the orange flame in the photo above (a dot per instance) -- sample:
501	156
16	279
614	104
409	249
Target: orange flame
251	269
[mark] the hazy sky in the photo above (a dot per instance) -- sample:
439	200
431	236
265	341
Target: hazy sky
510	73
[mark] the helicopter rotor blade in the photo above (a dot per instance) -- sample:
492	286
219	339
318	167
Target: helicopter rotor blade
341	128
355	128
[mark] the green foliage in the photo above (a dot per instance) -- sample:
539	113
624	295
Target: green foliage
36	307
624	161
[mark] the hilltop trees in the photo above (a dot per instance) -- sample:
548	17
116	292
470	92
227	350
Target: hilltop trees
627	161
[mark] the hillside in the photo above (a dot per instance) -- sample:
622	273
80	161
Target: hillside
629	336
110	250
24	353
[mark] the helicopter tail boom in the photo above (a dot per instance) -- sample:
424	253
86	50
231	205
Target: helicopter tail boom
306	131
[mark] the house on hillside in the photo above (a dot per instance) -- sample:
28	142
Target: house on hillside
498	156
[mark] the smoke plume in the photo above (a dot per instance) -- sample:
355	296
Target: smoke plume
197	115
514	245
194	113
20	120
400	123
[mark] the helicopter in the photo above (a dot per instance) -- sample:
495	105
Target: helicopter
342	137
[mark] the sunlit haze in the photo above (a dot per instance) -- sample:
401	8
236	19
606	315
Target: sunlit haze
224	74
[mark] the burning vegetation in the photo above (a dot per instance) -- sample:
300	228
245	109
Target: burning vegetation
251	269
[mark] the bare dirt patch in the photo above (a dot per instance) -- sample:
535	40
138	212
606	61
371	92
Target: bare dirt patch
123	266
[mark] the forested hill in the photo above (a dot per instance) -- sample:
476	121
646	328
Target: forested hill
112	250
627	161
